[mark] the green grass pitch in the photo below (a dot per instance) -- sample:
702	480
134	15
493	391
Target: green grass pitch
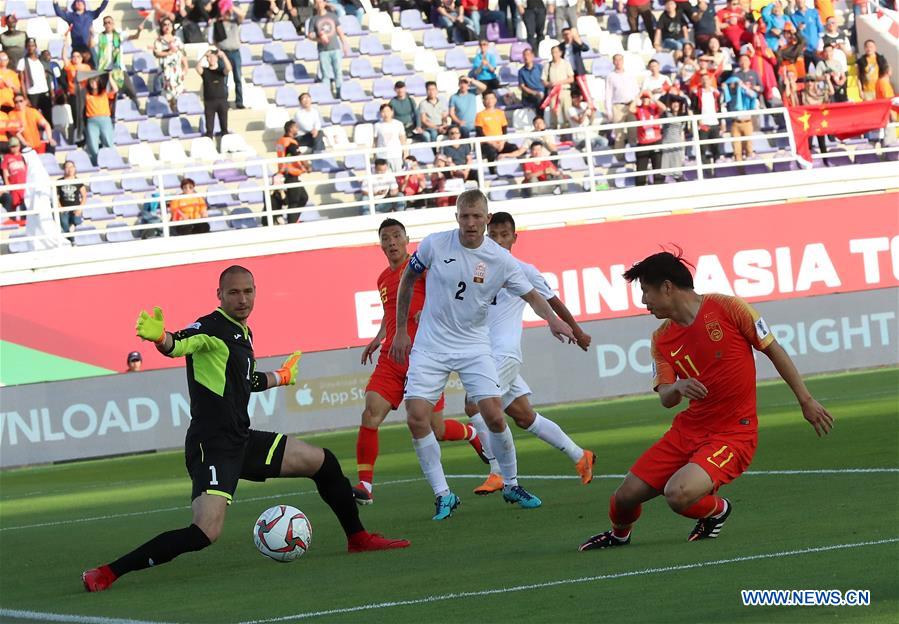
94	511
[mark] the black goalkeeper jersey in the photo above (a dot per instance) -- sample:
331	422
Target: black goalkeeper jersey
221	374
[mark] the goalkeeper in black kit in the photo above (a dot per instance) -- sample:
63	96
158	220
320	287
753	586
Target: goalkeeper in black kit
220	448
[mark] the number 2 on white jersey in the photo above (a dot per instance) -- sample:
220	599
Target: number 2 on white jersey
460	291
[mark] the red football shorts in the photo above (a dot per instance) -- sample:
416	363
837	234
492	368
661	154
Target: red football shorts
723	456
389	380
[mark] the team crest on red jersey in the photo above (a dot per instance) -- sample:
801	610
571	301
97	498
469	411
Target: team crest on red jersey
480	272
715	331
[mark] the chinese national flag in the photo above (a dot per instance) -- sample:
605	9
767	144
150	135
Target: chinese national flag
842	120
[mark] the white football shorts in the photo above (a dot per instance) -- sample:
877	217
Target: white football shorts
511	384
429	372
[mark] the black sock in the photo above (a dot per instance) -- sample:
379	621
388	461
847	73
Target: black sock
335	489
161	549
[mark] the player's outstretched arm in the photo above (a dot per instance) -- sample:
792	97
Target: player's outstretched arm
374	345
284	376
559	328
402	344
562	311
812	411
151	327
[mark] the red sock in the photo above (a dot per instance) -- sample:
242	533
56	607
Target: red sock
622	519
706	506
454	430
366	453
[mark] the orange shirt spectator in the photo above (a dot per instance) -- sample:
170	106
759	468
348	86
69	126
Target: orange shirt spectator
9	82
32	123
72	68
97	105
491	121
186	208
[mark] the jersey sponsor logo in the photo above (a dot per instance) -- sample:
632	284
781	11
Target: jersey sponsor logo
762	329
480	273
715	331
236	336
676	351
448	260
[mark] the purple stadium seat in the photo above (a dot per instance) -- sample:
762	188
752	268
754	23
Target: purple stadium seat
216	126
109	158
126	111
297	73
507	192
249	192
140	85
142	5
180	128
144	62
229	175
118	232
435	39
157	106
286	96
55	47
410	19
137	185
351	27
126	211
82	161
243	222
246	57
217	225
415	85
393	65
285	31
666	61
361	68
613	22
383	88
354	162
326	165
424	155
264	76
370	45
221	201
352	91
87	235
129	47
45	8
507	75
321	94
343	115
457	59
344	182
250	32
122	135
19	8
602	67
171	181
19	246
517	50
306	50
572	161
274	53
150	130
371	111
104	187
189	104
94	210
51	164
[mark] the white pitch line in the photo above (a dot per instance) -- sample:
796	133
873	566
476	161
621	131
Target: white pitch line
40	616
573	581
756	473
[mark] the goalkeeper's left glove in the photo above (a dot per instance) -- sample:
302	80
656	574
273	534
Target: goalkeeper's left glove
287	374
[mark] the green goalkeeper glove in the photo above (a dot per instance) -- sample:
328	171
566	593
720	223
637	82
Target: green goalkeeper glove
151	327
287	374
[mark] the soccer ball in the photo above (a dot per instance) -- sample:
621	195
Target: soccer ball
282	533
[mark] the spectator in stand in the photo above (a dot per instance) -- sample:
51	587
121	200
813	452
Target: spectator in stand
433	114
774	20
109	59
193	13
437	182
558	76
13	40
720	59
581	116
384	185
404	110
839	39
792	51
309	125
672	30
491	122
673	133
705	24
9	83
687	65
53	71
34	80
539	124
565	14
808	23
390	137
167	9
412	182
741	93
471	10
150	214
169	50
637	9
15	171
463	107
533	14
649	134
226	35
134	361
484	66
540	171
873	73
288	147
76	90
732	23
834	71
572	48
188	209
705	69
621	90
461	156
530	81
61	117
214	70
80	20
449	15
99	117
656	82
72	197
332	45
31	124
706	102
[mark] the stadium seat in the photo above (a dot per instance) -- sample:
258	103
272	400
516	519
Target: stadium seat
273	53
508	191
603	66
355	162
189	104
39	28
240	222
402	41
149	130
321	94
220	200
296	73
380	22
410	19
180	128
246	57
157	106
140	85
171	182
350	26
141	156
393	65
383	88
171	152
361	68
45	8
287	96
544	49
203	148
508	75
336	138
95	209
119	232
426	63
55	46
137	185
352	91
372	111
516	51
415	85
276	117
364	135
613	23
144	62
447	82
456	59
86	235
125	110
104	187
51	165
126	209
285	31
506	169
82	161
218	225
572	161
588	26
235	144
250	192
306	50
345	182
435	39
342	114
109	158
122	136
326	165
370	45
251	32
16	246
424	154
264	76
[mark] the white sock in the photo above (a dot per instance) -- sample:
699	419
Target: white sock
504	448
428	452
552	434
477	421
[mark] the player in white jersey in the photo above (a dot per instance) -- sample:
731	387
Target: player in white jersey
504	322
465	271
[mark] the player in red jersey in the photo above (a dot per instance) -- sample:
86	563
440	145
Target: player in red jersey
385	388
703	351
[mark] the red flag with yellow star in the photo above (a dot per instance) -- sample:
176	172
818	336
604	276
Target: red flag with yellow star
842	120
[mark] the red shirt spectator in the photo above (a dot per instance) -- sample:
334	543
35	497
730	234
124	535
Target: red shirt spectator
647	111
732	21
15	171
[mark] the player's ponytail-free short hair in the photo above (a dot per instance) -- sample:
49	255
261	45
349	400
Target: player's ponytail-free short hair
661	267
386	223
233	270
499	218
471	197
